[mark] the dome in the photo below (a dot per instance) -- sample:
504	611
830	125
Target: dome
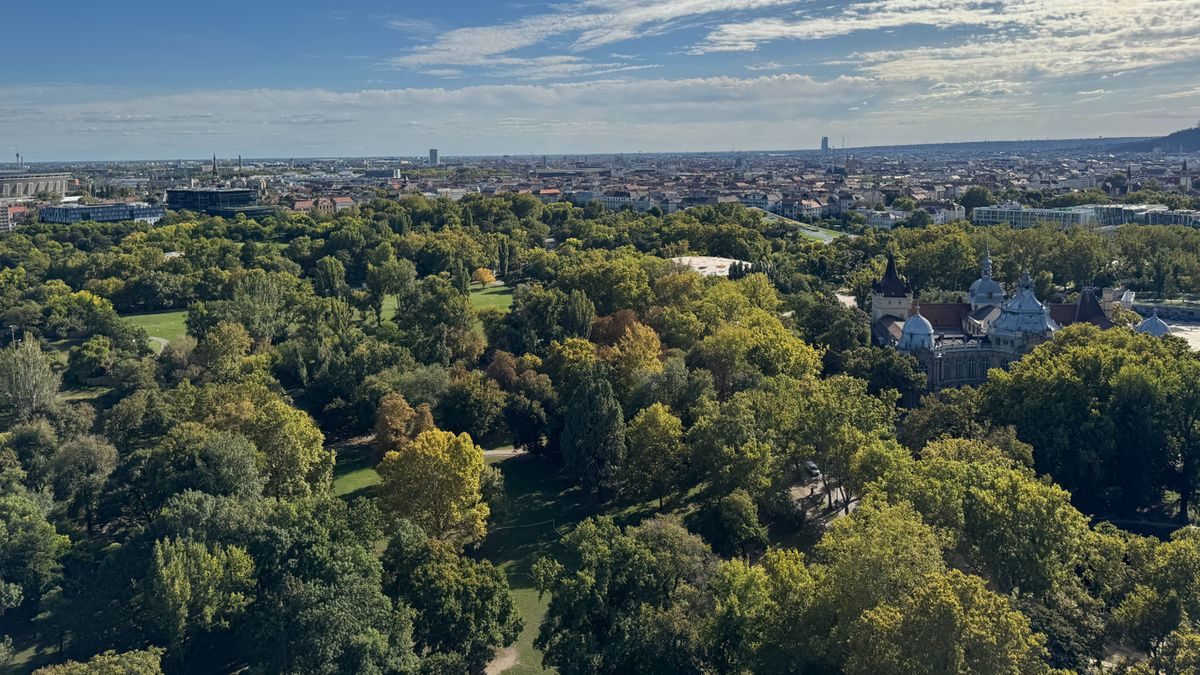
1153	326
1024	314
985	291
917	333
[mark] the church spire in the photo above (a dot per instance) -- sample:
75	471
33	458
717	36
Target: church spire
215	174
987	262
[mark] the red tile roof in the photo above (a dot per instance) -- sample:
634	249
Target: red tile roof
947	316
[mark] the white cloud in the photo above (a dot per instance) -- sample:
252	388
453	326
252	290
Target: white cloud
659	114
585	25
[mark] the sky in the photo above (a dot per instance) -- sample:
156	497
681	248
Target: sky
147	79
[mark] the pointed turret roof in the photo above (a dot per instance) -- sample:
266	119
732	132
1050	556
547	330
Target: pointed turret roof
1088	310
892	285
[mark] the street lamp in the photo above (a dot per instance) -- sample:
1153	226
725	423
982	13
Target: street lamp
12	332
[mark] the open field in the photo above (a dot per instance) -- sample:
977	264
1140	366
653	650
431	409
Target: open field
499	296
542	506
165	326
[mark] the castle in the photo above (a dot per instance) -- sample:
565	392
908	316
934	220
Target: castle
957	343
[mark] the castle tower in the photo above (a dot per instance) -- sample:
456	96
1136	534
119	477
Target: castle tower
891	295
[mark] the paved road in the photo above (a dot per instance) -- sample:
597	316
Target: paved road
502	453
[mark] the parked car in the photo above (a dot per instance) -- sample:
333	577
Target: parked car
811	467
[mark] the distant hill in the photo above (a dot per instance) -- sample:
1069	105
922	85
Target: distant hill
1188	139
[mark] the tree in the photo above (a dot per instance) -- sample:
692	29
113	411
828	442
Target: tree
885	369
30	550
462	606
295	461
593	439
80	467
879	554
975	197
740	354
627	601
436	483
484	277
194	589
189	457
732	526
473	403
28	385
734	633
266	304
140	662
92	358
329	278
634	357
949	624
391	277
438	324
1144	438
578	313
397	424
656	455
223	350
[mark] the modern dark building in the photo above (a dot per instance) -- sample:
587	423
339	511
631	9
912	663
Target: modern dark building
213	201
67	214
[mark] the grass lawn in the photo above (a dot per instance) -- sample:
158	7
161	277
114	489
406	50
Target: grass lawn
542	506
168	326
354	476
493	296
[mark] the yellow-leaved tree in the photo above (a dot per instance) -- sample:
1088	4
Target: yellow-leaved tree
435	483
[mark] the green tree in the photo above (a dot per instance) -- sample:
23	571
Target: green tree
391	277
877	555
656	456
950	623
975	197
885	369
222	351
294	460
91	359
473	404
625	602
193	589
28	385
593	439
80	468
436	483
139	662
30	550
329	278
462	606
578	313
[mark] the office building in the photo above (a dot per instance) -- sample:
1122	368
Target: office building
24	184
1020	216
824	145
67	214
433	157
213	201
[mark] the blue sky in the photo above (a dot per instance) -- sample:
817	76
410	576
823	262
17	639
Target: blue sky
140	79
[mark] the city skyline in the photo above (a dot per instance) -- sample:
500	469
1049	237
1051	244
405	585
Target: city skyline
373	78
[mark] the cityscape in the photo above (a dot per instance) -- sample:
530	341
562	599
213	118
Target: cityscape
604	337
